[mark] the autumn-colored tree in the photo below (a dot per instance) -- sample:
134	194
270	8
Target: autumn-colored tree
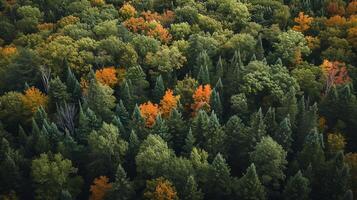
7	51
303	22
335	8
34	98
70	19
168	103
313	42
97	2
352	8
201	98
335	73
127	11
167	17
135	24
160	189
336	142
100	188
84	85
351	160
352	36
45	26
336	20
322	124
159	32
149	112
107	76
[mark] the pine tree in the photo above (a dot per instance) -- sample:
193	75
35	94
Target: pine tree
214	137
259	48
219	69
203	75
159	89
138	124
203	61
73	86
57	93
216	104
189	143
160	128
177	129
270	121
257	129
117	122
191	191
122	188
289	106
122	113
100	99
283	135
249	186
312	152
220	180
126	93
297	188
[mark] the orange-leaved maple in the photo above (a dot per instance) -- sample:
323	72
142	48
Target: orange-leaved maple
100	188
149	112
34	98
201	97
303	22
168	103
335	73
107	76
160	189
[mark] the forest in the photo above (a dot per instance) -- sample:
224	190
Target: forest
178	99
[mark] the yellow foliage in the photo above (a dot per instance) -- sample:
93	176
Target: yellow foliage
149	112
84	86
8	51
352	7
336	21
97	2
45	26
313	42
303	22
67	20
34	98
336	142
99	188
127	10
168	103
107	76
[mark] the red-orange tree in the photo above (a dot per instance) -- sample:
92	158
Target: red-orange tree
303	22
168	103
335	73
201	98
160	189
107	76
100	188
149	112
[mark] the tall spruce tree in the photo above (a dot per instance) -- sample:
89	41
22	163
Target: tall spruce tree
297	188
249	186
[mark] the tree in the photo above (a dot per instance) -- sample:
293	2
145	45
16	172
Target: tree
351	160
122	188
107	76
201	98
33	99
100	188
189	143
12	109
298	187
283	135
100	99
52	174
159	89
160	188
270	159
249	186
192	192
303	22
57	93
335	73
149	112
168	103
216	103
177	129
335	142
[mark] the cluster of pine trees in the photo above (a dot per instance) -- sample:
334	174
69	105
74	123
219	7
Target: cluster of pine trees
178	99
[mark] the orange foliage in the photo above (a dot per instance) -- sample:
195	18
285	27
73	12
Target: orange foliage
99	188
352	8
45	26
313	42
201	97
162	190
107	76
8	51
322	124
303	22
167	17
34	98
149	112
336	21
127	10
336	74
150	28
334	8
168	103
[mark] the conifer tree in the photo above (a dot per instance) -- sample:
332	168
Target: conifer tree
249	186
57	93
122	188
177	129
160	128
270	121
283	135
159	89
189	143
191	191
122	112
297	188
203	75
216	104
73	86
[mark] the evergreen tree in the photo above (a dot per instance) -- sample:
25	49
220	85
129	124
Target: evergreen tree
283	135
219	69
137	124
100	99
122	188
289	106
256	130
214	136
220	179
216	103
189	143
73	86
126	93
270	121
297	188
191	191
122	113
270	159
203	75
203	61
159	89
177	129
312	152
160	128
57	93
249	186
